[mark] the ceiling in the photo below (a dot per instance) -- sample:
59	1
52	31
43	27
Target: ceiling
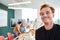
34	4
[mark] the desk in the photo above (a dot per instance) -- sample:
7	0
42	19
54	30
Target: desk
25	36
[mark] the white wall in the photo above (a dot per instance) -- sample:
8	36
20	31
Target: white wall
18	14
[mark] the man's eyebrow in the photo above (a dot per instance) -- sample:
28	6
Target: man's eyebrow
47	11
41	12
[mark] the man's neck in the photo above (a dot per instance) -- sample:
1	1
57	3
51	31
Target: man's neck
49	26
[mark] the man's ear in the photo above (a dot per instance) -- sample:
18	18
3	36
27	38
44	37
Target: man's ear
53	14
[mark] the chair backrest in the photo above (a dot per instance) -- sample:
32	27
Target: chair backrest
10	37
2	38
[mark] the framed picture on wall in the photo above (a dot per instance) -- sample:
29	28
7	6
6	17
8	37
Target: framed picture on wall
3	18
14	21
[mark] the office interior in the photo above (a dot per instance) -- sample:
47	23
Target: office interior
18	10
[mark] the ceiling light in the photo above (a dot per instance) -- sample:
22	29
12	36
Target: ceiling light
16	8
19	3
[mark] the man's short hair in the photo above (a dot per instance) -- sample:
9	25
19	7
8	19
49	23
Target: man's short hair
46	5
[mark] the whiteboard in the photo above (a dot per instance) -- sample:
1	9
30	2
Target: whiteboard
3	18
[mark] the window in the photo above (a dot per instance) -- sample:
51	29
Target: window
29	13
3	18
57	16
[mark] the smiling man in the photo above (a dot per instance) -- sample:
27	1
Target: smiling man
49	31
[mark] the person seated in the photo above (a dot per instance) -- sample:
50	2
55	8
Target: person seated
22	28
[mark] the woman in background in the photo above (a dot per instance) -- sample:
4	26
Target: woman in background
28	23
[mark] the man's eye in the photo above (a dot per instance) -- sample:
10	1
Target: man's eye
41	14
47	12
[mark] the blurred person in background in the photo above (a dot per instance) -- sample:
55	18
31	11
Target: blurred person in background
16	29
35	24
22	28
28	23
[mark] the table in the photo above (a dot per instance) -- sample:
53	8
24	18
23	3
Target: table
25	36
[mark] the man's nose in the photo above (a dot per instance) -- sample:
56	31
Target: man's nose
45	14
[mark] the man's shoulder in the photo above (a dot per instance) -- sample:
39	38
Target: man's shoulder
40	29
57	30
57	26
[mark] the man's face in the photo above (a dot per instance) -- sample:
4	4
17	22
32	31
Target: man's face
46	15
